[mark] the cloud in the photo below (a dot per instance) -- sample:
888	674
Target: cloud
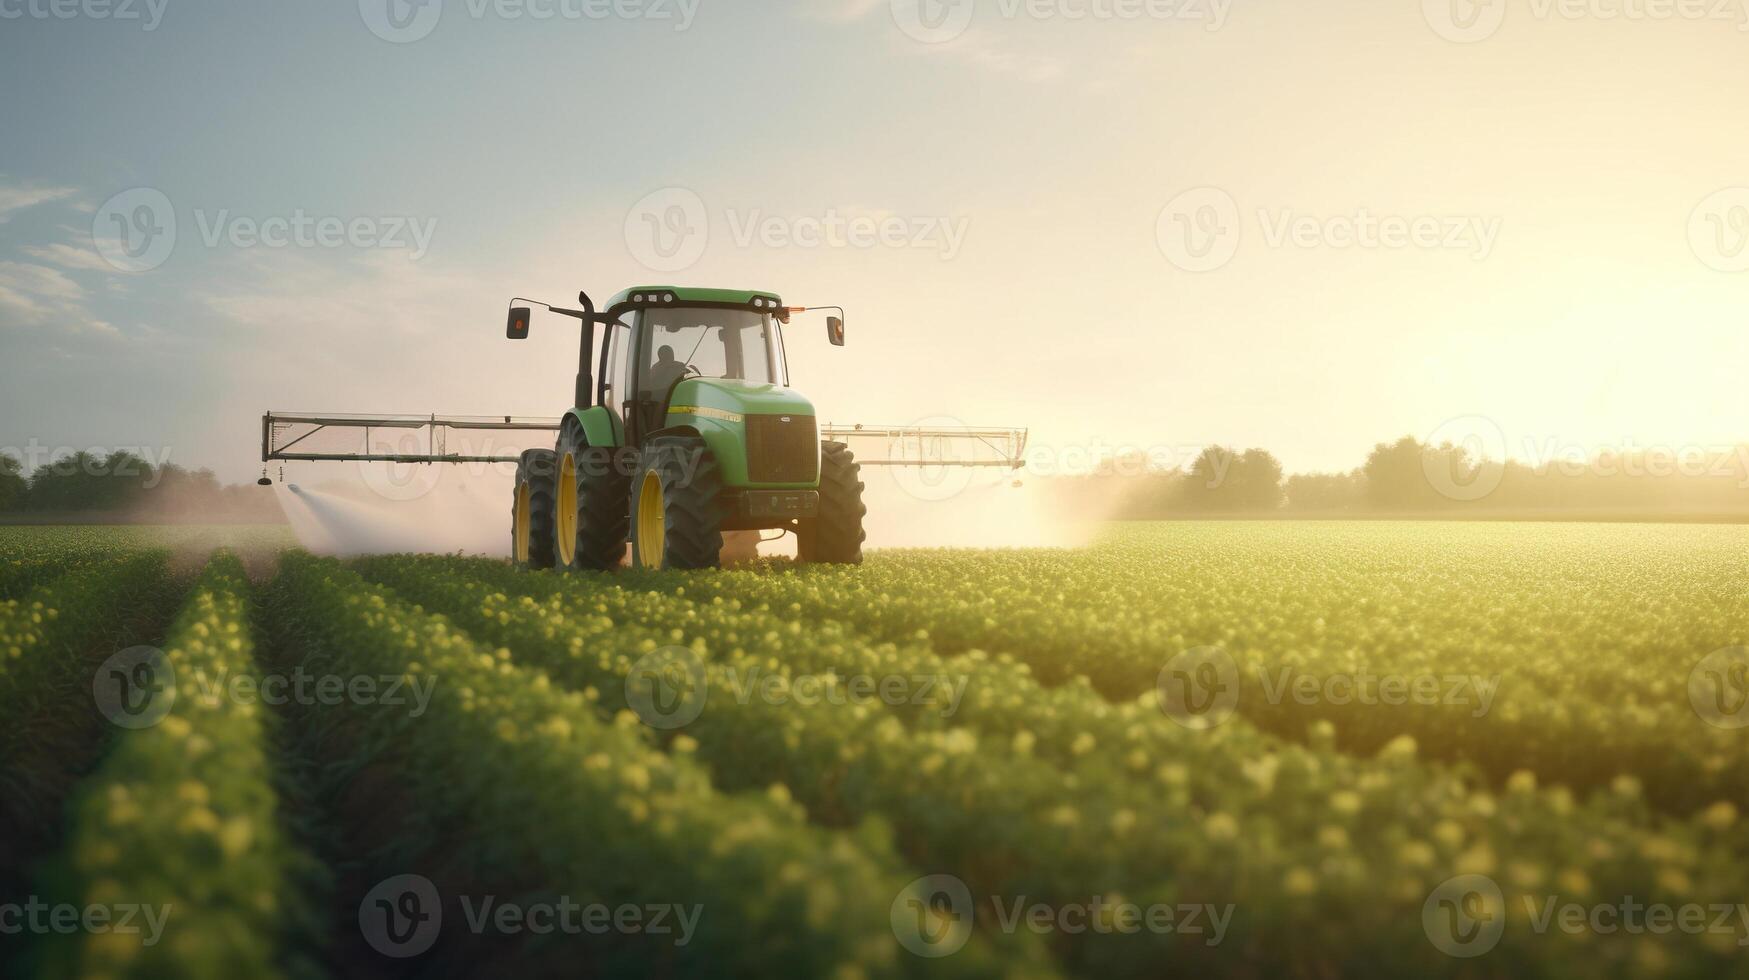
17	197
36	295
837	9
68	256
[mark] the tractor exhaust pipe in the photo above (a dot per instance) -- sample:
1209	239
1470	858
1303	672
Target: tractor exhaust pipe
585	396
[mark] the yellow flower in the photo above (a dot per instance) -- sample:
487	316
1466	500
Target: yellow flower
1220	827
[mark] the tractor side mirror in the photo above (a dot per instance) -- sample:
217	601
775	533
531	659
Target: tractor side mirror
517	328
835	330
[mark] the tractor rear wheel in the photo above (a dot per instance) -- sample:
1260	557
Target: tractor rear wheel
589	533
834	535
531	511
677	505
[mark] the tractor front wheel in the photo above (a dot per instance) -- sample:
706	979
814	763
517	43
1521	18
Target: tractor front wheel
677	505
834	535
532	510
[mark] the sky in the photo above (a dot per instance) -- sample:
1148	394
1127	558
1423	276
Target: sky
1153	224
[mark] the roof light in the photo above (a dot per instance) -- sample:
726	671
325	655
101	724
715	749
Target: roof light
667	297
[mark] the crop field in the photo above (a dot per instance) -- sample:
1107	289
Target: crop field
1305	749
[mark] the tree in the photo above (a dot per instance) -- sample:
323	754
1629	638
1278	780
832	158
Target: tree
1227	481
12	483
1328	492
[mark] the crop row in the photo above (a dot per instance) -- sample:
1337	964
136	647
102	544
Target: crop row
1539	654
182	817
1295	835
535	780
45	642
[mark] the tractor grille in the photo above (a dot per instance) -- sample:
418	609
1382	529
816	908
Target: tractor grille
782	449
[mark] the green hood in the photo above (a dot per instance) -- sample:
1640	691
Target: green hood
724	395
719	408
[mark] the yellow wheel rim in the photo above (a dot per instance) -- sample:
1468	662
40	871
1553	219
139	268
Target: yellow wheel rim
521	531
652	523
566	519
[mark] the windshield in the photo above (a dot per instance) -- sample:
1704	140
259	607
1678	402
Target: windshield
708	343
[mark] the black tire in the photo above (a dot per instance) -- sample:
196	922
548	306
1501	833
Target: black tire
691	504
601	480
835	535
534	472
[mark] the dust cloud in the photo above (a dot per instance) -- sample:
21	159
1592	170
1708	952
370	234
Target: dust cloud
357	510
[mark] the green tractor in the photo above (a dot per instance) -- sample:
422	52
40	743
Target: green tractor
684	428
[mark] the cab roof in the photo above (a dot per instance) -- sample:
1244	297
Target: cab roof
688	295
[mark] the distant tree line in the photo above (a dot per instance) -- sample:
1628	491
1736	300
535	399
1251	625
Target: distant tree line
124	485
1410	478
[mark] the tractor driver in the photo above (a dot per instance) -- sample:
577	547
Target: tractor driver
665	372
